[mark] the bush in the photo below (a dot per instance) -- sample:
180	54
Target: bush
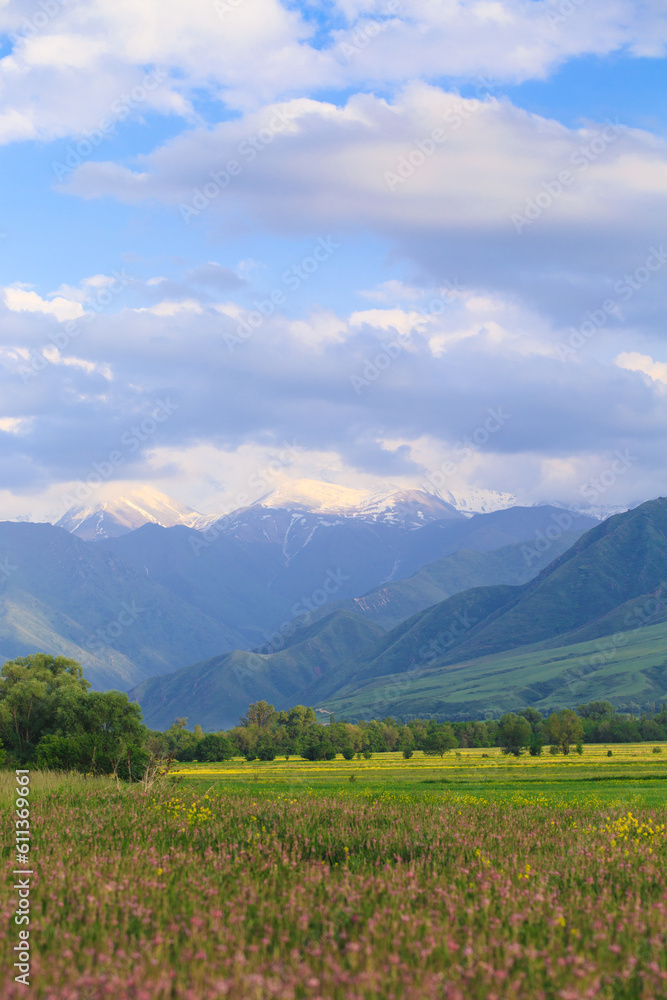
609	753
91	754
214	747
348	753
367	754
656	750
408	752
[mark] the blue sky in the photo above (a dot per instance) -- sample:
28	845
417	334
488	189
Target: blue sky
432	209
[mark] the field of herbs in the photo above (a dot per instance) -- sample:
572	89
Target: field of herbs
275	886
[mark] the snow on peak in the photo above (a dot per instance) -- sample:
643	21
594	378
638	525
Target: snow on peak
472	500
315	496
117	516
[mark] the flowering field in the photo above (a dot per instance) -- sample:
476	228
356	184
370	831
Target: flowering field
289	891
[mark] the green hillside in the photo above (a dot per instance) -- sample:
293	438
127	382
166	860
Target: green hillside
613	579
394	602
629	670
424	638
216	692
581	595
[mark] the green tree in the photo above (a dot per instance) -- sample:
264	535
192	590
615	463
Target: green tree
260	714
439	741
32	691
564	728
266	749
91	753
514	734
214	747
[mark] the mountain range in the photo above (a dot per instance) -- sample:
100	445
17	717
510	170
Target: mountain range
120	514
240	580
591	624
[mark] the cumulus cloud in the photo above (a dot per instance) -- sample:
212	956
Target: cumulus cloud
73	66
366	392
480	191
21	299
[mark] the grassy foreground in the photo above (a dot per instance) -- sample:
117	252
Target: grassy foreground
508	880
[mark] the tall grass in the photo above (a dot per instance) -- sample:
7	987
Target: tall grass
188	895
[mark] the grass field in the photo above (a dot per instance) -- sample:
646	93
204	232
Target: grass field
633	773
467	877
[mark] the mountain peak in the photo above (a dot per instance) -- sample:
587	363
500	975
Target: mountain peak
315	496
122	514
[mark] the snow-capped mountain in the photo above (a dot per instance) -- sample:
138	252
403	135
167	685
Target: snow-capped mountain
475	501
291	512
116	517
409	507
295	512
600	511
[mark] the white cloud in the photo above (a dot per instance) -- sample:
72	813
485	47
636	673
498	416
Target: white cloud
635	362
70	71
21	299
428	162
168	308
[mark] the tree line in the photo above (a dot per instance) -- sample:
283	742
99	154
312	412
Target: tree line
265	733
50	718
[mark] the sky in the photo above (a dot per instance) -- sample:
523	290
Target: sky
384	244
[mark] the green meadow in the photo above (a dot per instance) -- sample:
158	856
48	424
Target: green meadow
474	876
635	772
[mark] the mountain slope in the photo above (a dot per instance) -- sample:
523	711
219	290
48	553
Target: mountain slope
217	692
539	527
392	603
612	579
263	566
59	594
631	673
